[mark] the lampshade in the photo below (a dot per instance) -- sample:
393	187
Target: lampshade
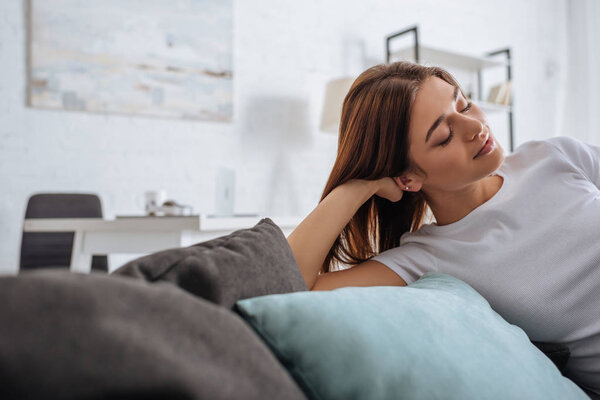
335	93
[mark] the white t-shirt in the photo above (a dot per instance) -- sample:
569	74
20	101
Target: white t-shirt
532	250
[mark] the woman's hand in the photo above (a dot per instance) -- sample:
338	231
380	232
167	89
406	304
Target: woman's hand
390	189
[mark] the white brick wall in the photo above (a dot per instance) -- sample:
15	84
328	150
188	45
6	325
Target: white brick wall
284	52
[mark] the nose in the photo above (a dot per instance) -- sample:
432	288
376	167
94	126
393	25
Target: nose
474	128
468	126
480	131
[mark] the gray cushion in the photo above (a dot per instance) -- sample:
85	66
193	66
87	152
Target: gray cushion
98	336
246	263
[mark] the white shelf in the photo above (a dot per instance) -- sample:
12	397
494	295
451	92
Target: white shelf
492	107
433	56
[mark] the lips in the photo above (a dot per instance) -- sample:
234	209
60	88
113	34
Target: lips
483	145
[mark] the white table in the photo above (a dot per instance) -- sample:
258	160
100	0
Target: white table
143	234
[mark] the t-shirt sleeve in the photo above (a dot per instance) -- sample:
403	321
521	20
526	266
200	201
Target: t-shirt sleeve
584	156
408	262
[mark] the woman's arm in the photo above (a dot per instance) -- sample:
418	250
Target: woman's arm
313	238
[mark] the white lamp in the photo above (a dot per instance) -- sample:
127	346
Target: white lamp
335	93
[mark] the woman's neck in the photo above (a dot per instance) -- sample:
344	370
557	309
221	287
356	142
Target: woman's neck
452	207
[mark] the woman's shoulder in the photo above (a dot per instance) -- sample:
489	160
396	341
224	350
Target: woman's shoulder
420	237
571	149
532	151
533	145
556	143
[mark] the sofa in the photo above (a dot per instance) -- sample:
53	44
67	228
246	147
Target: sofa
232	318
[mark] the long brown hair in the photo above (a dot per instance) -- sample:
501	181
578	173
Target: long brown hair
373	143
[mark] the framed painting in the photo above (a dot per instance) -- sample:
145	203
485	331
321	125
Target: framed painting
161	58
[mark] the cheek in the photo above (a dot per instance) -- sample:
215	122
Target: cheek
455	157
454	165
448	163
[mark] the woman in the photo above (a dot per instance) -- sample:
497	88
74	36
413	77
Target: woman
522	230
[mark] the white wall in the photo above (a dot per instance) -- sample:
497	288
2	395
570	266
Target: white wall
284	52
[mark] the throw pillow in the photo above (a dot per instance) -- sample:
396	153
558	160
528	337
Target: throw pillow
437	338
246	263
97	336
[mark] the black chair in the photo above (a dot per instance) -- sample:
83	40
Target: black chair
53	249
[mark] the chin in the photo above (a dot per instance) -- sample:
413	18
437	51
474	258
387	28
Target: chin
500	151
498	157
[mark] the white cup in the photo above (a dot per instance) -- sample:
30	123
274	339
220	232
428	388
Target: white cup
154	198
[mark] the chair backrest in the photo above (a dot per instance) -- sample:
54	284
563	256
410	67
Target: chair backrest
53	249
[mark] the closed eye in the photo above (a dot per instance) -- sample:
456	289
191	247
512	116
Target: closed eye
467	108
451	135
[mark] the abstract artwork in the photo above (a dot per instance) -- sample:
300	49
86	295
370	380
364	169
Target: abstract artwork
162	58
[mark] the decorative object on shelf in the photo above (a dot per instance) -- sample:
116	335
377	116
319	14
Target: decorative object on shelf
500	94
157	205
457	63
153	199
170	208
156	58
335	93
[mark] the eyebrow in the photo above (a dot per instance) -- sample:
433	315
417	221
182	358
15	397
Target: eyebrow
441	117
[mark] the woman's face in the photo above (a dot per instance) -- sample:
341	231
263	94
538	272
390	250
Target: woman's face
448	158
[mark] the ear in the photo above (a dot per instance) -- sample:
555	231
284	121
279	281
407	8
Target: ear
412	181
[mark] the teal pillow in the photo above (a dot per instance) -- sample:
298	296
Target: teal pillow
437	338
